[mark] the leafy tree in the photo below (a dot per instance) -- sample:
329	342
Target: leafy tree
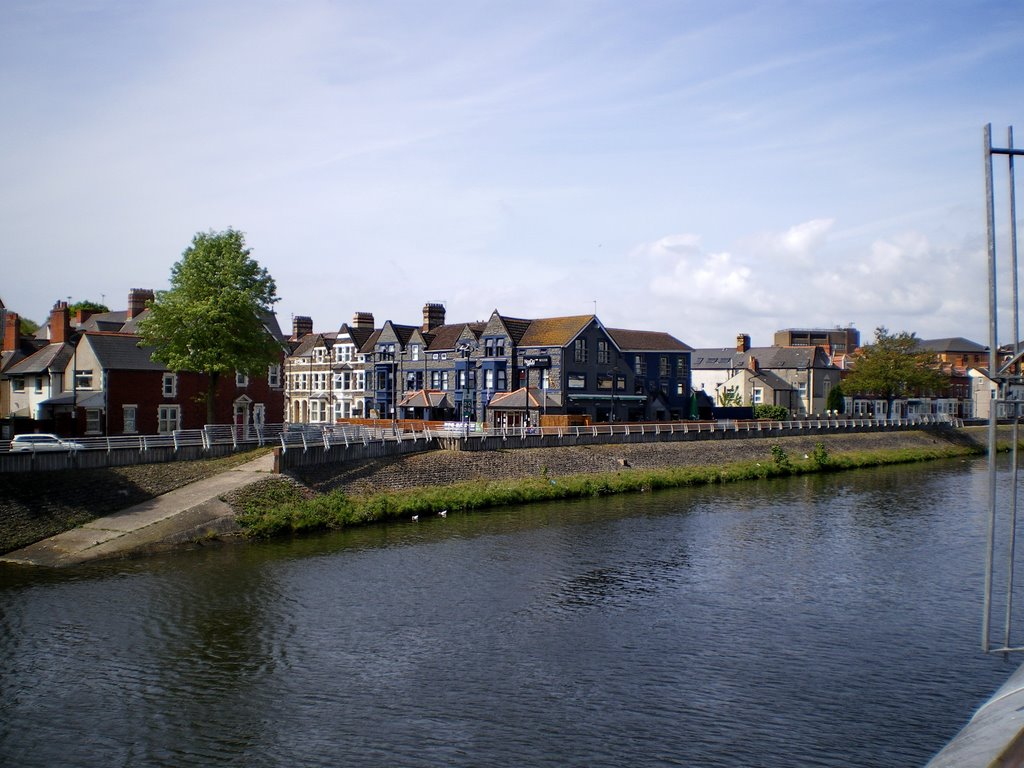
88	306
28	327
773	412
210	321
835	400
893	367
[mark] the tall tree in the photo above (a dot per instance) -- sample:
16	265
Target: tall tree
90	306
893	367
211	319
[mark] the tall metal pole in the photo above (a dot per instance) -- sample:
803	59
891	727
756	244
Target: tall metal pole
1011	554
990	221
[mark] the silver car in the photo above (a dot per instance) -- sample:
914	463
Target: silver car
40	442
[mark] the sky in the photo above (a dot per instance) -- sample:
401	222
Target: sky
701	168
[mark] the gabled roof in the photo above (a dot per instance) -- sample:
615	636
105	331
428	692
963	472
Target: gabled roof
521	399
371	342
767	357
446	337
555	331
358	335
307	343
953	344
772	380
107	321
427	398
646	341
50	357
121	352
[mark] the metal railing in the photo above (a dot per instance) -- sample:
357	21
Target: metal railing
207	437
306	437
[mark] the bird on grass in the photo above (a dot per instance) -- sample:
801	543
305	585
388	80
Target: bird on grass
443	513
415	518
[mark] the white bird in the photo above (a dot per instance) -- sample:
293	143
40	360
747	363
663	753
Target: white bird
415	518
443	513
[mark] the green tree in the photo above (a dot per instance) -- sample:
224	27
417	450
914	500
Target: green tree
835	400
88	306
28	327
894	367
211	319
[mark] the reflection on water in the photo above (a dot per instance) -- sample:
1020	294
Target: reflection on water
828	620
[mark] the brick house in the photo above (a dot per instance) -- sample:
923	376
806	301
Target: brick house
93	378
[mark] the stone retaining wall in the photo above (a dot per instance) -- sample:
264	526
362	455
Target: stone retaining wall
445	467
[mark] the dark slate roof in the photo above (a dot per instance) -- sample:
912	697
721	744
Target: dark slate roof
359	335
130	326
120	352
105	321
446	337
767	357
50	357
517	328
371	341
773	380
955	344
646	341
307	343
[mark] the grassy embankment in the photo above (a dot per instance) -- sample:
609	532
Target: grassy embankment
277	506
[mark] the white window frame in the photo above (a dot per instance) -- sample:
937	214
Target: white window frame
93	421
168	418
241	379
274	375
130	419
170	385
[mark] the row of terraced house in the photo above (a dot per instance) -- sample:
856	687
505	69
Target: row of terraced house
89	374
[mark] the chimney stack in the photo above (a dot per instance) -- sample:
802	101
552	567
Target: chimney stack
742	342
137	298
60	323
433	316
12	331
301	325
363	320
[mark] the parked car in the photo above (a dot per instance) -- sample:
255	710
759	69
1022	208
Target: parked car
40	442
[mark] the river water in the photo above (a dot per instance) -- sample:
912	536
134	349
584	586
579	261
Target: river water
817	621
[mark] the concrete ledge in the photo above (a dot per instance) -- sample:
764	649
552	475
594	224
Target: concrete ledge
994	736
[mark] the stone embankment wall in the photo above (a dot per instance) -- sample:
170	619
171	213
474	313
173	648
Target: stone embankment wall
432	468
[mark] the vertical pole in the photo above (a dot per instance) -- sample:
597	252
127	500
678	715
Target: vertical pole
1011	554
993	373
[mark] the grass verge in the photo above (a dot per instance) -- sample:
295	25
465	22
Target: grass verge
278	506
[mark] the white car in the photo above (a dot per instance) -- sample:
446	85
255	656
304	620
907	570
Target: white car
40	442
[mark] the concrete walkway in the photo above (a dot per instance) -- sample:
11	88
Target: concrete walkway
185	514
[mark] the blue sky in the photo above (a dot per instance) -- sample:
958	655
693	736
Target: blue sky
702	168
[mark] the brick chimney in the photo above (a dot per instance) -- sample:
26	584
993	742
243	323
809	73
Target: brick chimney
301	325
433	316
752	364
60	323
137	298
742	342
12	331
363	320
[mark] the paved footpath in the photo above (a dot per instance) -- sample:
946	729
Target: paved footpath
182	515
